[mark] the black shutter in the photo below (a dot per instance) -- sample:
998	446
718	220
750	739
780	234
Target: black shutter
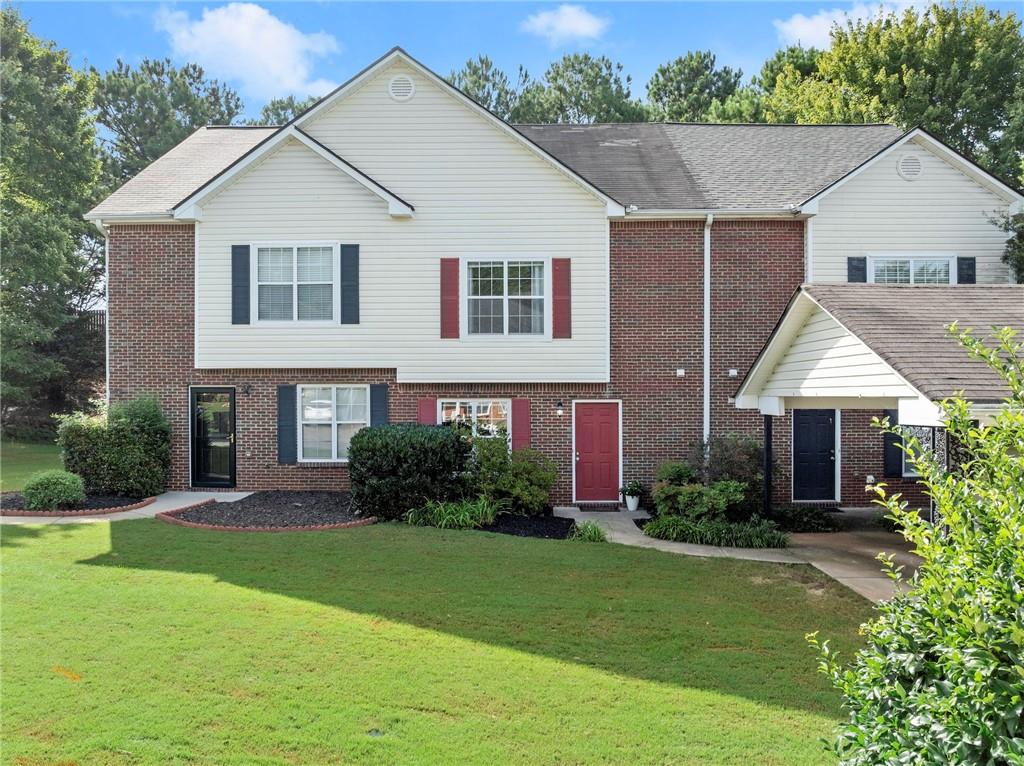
350	284
856	269
287	425
966	271
379	404
893	449
239	284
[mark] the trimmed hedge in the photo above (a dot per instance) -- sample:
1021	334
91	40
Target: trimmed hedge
128	452
396	468
52	490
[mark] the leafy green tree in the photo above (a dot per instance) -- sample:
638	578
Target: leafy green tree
941	680
578	88
1013	253
48	174
488	85
152	107
745	104
957	70
280	111
803	60
684	89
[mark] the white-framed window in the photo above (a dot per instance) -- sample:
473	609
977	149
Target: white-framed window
295	282
487	418
507	296
912	268
924	436
329	416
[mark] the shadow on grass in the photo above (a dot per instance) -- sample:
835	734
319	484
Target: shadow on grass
733	627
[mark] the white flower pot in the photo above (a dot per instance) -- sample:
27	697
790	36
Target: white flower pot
632	502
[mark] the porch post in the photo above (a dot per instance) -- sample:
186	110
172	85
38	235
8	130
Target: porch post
767	468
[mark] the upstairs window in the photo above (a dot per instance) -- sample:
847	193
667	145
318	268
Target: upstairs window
911	270
506	297
296	283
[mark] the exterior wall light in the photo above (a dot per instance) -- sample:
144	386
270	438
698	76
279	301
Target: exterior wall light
559	408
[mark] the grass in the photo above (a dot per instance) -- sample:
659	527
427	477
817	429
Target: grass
136	642
19	460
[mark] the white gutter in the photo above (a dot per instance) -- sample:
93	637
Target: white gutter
698	213
106	307
707	327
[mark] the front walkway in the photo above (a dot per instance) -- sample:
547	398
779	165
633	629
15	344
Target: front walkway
168	501
848	557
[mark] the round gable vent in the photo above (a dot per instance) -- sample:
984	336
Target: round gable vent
909	167
401	87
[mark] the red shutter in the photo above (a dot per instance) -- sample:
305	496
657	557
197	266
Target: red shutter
449	297
427	412
520	423
561	298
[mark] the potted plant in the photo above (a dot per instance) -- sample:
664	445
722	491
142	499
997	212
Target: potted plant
632	492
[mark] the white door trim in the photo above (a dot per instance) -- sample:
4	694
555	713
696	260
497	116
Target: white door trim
572	454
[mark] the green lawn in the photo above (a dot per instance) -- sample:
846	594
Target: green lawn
19	460
136	642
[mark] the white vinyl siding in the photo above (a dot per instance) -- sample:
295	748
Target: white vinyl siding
825	360
478	194
878	212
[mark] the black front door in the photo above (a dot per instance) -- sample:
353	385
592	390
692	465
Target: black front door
213	437
814	454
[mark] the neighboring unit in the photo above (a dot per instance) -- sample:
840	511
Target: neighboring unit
399	254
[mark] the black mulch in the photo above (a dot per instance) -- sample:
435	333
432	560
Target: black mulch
549	527
13	501
276	509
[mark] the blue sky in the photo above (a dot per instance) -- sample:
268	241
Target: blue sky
272	49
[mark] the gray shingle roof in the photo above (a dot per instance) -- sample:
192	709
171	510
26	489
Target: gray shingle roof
906	326
659	166
181	171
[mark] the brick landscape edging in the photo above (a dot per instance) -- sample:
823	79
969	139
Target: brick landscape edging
171	517
83	512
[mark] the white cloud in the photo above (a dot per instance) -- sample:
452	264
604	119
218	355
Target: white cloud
813	31
245	43
567	23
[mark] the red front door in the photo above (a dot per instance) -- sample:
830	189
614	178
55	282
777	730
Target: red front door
597	451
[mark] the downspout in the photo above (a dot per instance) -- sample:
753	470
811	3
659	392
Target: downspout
707	328
106	308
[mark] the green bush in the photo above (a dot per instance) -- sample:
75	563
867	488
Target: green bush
677	472
396	468
455	514
126	451
941	679
756	533
697	501
520	480
803	518
734	458
50	490
587	532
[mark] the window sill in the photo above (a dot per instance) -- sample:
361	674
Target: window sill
327	461
295	323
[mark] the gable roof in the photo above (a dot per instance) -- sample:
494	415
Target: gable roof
670	166
906	326
161	185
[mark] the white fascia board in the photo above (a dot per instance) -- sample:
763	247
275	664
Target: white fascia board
191	208
614	208
718	213
920	411
958	161
112	218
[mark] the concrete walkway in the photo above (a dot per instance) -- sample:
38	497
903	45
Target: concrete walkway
848	557
168	501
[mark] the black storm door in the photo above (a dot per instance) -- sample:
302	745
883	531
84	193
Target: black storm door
213	437
814	454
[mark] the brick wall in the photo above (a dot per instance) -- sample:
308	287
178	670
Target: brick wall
862	454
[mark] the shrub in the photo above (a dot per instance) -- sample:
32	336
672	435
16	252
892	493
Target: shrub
455	514
697	501
126	451
587	532
757	533
396	468
521	480
803	518
735	458
50	490
677	472
941	678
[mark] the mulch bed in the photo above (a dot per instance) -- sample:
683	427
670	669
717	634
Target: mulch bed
13	504
548	527
272	511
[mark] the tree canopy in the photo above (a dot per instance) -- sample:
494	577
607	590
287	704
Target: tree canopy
280	111
489	86
684	89
579	88
152	107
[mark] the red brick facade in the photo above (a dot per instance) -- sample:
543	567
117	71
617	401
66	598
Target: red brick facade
656	329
